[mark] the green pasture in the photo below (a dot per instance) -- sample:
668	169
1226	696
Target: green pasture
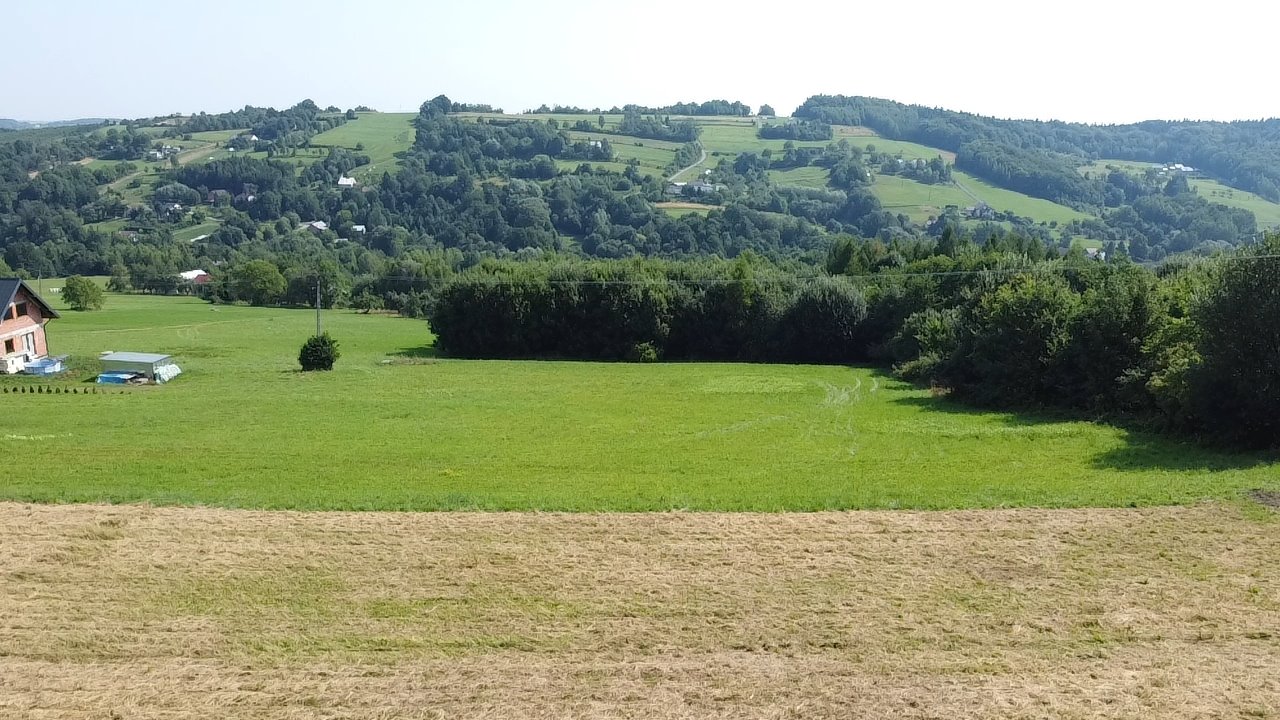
217	136
1267	212
383	136
680	209
395	427
918	201
188	234
618	167
1010	201
810	177
656	154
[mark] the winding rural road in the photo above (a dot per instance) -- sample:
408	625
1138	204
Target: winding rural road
676	175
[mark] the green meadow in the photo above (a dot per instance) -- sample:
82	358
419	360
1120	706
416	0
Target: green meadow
1024	205
918	201
1267	212
395	427
383	136
810	177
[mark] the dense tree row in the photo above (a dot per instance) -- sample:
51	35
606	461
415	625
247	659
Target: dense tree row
802	130
646	311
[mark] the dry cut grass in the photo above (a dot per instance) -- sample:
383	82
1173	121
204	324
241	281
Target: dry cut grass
139	612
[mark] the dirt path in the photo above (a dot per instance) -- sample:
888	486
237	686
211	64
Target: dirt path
676	175
139	612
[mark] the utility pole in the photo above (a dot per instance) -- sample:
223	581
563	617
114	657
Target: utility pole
317	305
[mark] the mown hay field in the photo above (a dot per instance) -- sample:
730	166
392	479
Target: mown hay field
143	612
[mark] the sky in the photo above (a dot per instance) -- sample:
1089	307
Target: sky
1084	61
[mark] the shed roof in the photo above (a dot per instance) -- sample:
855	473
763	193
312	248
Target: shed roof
134	357
9	288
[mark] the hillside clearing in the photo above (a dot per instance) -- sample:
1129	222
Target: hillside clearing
810	177
395	428
159	613
382	135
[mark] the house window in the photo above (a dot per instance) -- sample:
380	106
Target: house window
20	309
29	343
8	346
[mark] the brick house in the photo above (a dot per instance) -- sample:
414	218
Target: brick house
23	315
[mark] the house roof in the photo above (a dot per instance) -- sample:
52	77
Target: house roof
9	288
133	357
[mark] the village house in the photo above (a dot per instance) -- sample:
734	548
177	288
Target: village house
981	211
23	315
196	277
346	182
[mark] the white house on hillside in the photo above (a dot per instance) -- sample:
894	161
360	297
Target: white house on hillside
346	182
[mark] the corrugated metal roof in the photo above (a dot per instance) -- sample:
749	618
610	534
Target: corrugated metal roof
133	357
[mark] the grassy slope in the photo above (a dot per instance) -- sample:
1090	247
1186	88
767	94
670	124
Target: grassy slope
242	428
1008	200
1267	212
917	200
810	177
382	134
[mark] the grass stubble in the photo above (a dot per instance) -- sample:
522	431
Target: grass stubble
143	612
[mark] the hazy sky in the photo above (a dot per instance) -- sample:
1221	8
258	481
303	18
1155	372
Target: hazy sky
1085	60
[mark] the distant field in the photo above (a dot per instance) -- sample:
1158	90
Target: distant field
811	177
908	150
680	209
1024	205
655	155
1267	212
618	167
382	134
740	137
108	226
188	234
918	201
218	136
394	428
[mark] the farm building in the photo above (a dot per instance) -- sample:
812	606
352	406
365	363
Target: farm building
23	315
157	368
346	182
198	277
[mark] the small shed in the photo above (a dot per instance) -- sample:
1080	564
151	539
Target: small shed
157	368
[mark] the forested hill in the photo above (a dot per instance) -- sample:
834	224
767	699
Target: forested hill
1037	155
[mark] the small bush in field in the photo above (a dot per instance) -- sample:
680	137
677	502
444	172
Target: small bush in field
319	352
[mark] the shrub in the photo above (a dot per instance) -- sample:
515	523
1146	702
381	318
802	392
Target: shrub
319	352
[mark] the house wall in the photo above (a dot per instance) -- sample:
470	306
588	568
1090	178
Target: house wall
12	326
